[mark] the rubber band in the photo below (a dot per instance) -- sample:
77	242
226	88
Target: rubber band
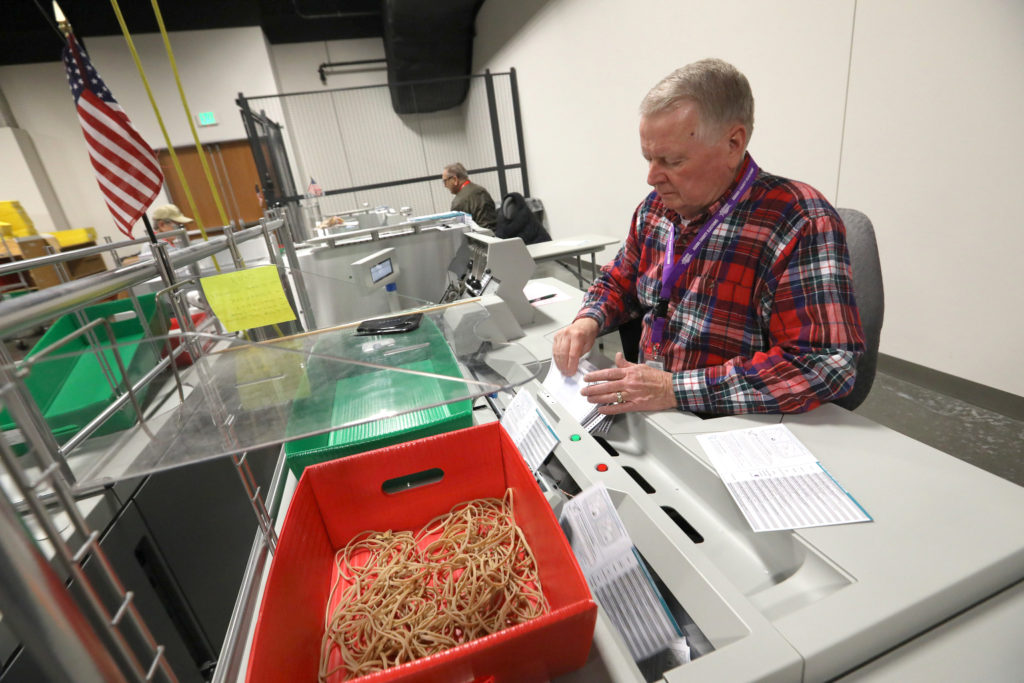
407	597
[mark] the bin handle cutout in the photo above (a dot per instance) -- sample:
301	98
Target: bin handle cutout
411	481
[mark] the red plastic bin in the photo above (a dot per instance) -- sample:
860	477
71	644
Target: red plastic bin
336	500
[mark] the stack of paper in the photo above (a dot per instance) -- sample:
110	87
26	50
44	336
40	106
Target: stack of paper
566	390
620	582
530	432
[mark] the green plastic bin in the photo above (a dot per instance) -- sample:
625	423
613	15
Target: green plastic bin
359	394
70	386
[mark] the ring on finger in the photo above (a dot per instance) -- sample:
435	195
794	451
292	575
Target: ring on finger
618	397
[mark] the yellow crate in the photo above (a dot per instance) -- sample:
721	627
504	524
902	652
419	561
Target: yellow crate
11	212
74	238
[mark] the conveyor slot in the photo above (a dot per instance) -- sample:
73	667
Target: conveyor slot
639	479
681	522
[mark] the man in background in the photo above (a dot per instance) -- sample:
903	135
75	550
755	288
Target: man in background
164	219
469	197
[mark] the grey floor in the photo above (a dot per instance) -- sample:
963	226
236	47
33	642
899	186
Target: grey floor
986	439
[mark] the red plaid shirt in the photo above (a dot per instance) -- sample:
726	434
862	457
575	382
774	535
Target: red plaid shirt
764	319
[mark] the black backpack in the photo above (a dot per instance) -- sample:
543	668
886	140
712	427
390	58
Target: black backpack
515	219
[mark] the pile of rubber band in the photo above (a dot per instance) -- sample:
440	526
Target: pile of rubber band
466	574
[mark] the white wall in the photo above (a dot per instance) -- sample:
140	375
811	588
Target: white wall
214	67
23	179
296	64
932	153
906	110
354	138
584	65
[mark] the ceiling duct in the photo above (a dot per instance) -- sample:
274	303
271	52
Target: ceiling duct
431	42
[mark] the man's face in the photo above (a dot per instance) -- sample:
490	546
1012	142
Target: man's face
163	225
687	173
450	182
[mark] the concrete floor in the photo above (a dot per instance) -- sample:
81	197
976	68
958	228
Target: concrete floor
986	439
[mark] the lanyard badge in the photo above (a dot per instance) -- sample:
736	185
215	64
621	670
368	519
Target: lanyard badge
672	273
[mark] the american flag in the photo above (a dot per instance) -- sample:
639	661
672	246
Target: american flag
126	168
314	190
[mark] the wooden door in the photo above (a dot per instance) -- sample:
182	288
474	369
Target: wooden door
234	175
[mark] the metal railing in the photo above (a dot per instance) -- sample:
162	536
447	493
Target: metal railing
91	629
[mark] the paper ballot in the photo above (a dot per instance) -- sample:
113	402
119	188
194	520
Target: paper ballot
776	482
566	390
530	432
619	581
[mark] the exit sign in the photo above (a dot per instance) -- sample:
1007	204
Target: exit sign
206	118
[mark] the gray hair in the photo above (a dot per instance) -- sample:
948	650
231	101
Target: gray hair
721	93
457	170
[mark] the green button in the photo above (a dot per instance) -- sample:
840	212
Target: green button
575	437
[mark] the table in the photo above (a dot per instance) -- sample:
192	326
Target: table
572	247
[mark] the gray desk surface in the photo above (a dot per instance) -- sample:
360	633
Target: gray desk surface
588	243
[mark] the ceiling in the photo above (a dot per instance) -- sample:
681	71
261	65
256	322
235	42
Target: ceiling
28	31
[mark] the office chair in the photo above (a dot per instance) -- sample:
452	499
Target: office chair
867	286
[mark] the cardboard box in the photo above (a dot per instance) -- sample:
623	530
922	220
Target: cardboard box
336	500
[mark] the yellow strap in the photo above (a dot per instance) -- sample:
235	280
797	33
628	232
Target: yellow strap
163	129
188	114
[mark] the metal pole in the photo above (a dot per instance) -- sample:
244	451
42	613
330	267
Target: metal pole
514	86
41	612
499	156
297	280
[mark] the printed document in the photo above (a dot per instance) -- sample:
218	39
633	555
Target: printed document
776	482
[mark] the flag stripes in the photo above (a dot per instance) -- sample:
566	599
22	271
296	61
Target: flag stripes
126	167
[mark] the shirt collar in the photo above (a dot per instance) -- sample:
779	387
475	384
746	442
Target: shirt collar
699	219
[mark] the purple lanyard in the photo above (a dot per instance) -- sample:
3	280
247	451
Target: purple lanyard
670	273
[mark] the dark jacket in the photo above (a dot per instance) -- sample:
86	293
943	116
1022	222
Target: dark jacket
516	220
476	201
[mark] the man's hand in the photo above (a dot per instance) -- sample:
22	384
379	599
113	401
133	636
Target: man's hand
571	343
629	387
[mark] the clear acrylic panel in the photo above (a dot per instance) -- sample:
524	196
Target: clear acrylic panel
240	396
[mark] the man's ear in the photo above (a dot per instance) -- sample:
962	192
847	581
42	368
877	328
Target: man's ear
737	140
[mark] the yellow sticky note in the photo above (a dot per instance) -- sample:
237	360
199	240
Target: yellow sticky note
248	298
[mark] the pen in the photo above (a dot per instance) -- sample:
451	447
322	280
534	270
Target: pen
541	298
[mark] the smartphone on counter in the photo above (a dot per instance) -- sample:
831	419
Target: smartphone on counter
395	324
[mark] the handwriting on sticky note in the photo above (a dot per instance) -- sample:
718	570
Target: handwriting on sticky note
248	298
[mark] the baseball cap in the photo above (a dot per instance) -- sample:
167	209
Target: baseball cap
169	212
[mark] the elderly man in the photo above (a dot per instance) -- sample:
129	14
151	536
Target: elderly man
742	278
469	197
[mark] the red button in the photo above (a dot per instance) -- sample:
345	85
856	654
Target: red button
601	467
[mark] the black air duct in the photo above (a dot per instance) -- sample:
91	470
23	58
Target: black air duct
429	41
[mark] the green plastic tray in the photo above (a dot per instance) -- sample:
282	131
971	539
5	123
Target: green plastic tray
71	388
359	394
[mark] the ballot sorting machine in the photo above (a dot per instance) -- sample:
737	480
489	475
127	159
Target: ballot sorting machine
889	598
911	593
358	273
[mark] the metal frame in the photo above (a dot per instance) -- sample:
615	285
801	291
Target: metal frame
279	189
74	633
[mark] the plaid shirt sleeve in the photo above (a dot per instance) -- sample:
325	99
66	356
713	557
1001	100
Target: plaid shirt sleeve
763	321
